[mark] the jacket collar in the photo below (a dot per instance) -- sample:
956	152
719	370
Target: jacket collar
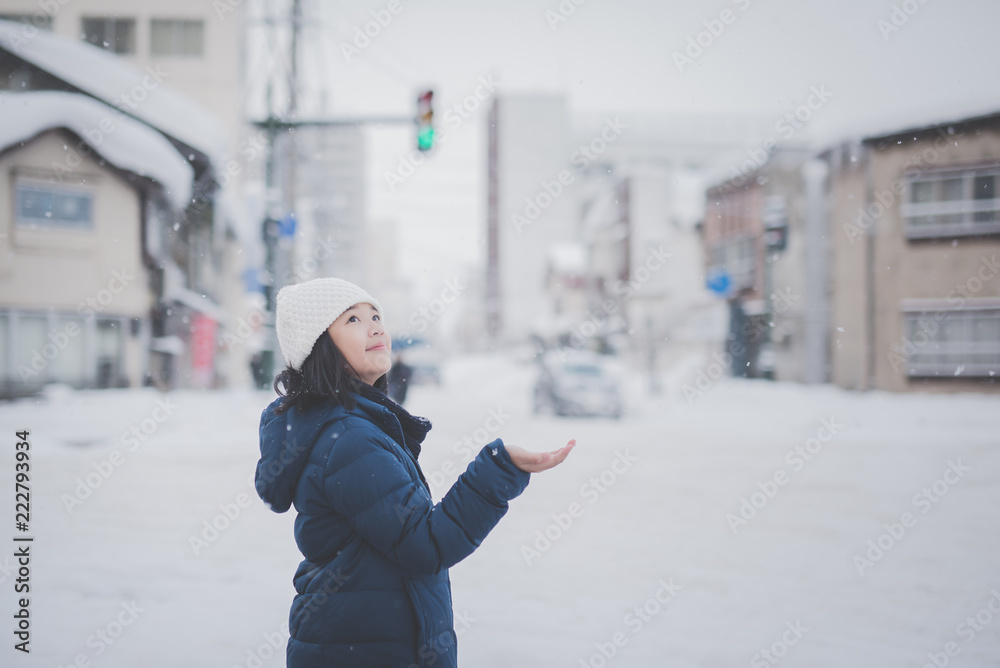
406	429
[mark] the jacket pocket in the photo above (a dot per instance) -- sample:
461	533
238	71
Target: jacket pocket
419	615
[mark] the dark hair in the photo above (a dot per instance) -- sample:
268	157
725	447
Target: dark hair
325	377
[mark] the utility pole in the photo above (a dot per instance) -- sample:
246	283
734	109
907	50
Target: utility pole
493	322
279	225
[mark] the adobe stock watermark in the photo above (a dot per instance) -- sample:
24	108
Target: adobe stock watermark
967	630
786	126
796	458
328	583
635	620
591	491
770	656
430	652
223	7
38	22
898	17
89	308
273	645
562	12
582	157
704	39
454	118
924	501
371	30
213	527
226	171
245	328
885	199
275	641
103	638
304	269
581	333
422	318
465	449
131	440
7	568
753	331
94	137
901	353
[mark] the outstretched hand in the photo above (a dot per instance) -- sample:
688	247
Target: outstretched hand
533	462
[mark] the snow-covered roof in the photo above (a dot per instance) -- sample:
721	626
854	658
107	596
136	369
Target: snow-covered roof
131	146
106	76
866	123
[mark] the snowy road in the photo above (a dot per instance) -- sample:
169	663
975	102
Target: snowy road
759	524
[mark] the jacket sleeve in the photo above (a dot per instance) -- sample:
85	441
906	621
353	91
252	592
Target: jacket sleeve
366	484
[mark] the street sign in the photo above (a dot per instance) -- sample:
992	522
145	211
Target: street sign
718	281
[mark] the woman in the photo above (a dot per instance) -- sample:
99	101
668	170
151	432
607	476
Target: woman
373	590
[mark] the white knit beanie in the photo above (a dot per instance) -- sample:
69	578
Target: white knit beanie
305	311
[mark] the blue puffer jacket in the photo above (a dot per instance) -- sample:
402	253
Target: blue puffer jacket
373	590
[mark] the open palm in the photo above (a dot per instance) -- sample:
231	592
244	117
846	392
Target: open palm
534	462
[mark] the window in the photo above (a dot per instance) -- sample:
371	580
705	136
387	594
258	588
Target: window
953	343
171	37
952	203
71	365
115	35
40	21
48	206
29	339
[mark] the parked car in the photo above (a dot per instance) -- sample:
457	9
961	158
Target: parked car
578	383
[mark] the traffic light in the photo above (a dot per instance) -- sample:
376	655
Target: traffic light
775	218
425	120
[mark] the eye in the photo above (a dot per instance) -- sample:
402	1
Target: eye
376	317
353	318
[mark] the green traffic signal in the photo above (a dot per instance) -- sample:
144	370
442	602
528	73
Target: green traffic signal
425	138
425	120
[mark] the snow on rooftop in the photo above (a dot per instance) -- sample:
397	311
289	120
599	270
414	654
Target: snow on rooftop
129	145
108	77
835	124
868	122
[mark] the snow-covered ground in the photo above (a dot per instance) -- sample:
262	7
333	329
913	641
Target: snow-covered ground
640	546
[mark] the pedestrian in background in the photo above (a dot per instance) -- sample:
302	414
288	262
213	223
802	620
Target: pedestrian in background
399	379
373	589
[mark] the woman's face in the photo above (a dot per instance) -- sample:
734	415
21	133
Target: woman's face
361	339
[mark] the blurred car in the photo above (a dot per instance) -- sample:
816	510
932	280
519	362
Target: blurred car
578	383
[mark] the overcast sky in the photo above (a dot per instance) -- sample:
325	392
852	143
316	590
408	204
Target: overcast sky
880	59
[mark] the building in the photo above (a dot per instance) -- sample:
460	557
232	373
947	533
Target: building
870	263
196	47
75	299
533	207
624	191
915	222
767	252
647	254
108	234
